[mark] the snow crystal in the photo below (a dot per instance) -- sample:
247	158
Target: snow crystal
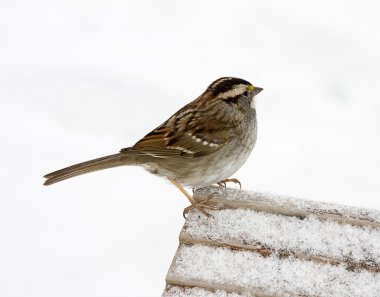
175	291
308	236
282	202
285	277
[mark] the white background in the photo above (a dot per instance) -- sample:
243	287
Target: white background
82	79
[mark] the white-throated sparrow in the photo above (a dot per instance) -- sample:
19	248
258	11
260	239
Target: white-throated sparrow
203	143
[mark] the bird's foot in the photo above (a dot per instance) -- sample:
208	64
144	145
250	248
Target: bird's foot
201	206
223	183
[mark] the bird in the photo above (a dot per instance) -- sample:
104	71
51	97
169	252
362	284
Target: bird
202	144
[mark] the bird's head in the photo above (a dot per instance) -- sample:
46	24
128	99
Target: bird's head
232	90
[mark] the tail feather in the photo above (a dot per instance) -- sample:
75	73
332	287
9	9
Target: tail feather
89	166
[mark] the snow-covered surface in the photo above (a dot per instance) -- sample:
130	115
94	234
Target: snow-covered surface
283	277
81	79
175	291
291	203
286	233
274	253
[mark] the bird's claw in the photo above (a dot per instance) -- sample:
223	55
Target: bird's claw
223	183
201	206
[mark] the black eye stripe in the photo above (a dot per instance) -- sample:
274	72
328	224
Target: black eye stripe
224	84
232	100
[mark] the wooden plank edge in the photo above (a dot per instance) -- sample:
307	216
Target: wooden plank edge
256	292
192	283
168	287
289	210
264	251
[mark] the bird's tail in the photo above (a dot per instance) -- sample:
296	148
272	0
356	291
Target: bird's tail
89	166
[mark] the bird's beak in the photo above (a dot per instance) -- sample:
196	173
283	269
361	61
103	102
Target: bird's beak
257	90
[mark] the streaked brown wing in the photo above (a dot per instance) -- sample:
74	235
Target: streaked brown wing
188	133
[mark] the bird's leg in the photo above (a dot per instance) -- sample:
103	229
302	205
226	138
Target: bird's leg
201	206
223	183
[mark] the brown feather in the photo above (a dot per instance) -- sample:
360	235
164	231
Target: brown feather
191	132
90	166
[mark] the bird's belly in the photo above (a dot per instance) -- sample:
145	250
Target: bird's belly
218	169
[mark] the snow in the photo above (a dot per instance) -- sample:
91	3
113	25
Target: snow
286	202
176	291
287	276
307	236
244	250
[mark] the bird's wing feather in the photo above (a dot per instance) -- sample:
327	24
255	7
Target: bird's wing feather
188	133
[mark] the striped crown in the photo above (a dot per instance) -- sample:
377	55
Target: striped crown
228	87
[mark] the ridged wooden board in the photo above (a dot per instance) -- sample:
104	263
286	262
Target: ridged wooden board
265	245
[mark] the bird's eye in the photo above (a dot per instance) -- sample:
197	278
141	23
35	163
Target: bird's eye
245	94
